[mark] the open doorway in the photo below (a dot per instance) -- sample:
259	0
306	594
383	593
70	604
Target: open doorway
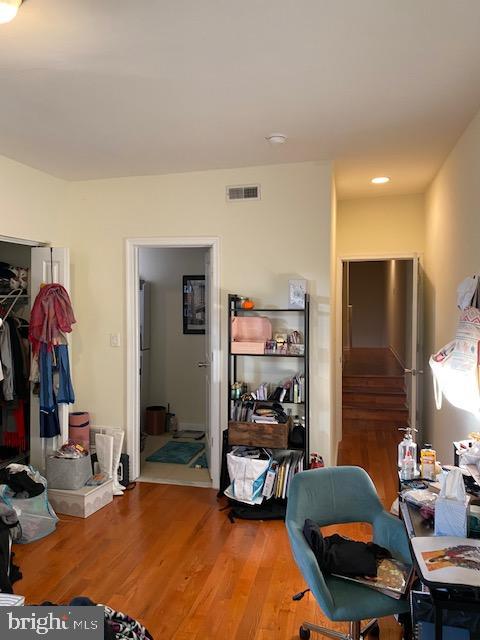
173	386
173	361
380	347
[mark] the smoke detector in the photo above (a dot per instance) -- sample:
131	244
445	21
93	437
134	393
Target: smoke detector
276	138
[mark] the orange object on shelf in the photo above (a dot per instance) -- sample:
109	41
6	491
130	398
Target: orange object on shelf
248	304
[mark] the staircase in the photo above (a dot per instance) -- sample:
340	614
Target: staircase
375	398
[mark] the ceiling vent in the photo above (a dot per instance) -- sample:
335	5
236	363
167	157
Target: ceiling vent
243	192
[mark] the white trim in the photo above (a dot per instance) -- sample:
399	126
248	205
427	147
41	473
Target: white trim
24	241
338	320
132	245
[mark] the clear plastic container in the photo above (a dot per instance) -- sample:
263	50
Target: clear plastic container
407	444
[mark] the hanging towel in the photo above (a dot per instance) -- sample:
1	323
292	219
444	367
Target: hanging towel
52	316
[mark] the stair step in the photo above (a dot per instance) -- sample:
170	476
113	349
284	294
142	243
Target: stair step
388	414
374	382
374	399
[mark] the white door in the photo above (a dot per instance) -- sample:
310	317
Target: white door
413	369
48	265
206	364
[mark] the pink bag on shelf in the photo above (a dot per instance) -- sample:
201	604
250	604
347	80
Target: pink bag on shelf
251	329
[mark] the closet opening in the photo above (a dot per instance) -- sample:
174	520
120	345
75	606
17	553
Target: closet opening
173	337
15	393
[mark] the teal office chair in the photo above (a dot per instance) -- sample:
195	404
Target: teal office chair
333	496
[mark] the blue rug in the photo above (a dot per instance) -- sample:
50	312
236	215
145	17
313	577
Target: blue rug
176	452
201	462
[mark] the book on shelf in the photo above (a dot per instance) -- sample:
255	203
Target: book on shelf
393	578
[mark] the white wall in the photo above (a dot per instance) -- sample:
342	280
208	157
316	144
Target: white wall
264	243
452	253
173	375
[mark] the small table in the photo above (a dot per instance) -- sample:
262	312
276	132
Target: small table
453	587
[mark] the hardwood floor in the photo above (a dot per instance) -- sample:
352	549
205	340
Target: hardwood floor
166	555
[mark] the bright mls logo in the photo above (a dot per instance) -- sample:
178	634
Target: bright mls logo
26	623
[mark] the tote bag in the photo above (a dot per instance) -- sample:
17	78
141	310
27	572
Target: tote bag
455	366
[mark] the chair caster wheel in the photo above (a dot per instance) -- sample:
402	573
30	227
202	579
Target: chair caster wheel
304	633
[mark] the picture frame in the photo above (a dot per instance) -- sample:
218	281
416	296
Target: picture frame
194	304
297	289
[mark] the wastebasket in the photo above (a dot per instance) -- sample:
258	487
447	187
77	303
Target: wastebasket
155	420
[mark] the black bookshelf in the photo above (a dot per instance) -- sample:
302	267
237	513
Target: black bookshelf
233	311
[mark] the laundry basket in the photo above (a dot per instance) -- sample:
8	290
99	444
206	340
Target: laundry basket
36	516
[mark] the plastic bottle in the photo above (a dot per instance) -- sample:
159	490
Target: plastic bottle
428	458
408	467
407	444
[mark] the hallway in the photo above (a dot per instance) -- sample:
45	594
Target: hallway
373	389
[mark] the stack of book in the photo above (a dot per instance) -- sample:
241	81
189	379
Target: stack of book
283	466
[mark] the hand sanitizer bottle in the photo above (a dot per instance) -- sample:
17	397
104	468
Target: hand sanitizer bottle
407	444
407	471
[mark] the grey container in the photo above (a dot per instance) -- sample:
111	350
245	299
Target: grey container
68	473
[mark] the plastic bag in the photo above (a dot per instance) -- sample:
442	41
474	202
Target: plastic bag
455	366
247	477
36	516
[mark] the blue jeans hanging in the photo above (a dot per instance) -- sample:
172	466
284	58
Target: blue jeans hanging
49	422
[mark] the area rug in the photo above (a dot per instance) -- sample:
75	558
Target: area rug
201	462
176	452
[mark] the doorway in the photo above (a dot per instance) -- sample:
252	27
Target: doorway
172	371
379	339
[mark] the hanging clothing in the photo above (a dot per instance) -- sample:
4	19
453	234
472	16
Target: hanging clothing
20	377
7	362
52	316
66	394
49	423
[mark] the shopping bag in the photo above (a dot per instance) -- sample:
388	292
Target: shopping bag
247	476
455	366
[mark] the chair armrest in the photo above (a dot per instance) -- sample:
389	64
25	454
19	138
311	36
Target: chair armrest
308	565
389	532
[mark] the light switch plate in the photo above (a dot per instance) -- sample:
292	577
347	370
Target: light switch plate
114	339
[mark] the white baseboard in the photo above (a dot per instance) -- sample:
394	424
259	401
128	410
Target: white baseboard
191	426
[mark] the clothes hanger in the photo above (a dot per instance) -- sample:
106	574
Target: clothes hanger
16	294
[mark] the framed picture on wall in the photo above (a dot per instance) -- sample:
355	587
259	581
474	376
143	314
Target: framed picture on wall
194	304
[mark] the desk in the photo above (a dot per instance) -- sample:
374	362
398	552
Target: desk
445	595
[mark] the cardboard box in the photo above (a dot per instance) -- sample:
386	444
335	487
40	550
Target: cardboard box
81	502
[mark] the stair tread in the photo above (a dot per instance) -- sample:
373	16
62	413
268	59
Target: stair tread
375	391
375	407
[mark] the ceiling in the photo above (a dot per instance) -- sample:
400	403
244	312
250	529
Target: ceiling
104	88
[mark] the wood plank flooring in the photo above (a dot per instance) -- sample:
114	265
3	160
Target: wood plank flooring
167	556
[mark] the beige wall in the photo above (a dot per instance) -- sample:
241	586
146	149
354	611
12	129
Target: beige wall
172	375
367	290
286	234
31	204
399	308
452	253
383	225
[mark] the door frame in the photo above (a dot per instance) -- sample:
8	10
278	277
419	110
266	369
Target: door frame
341	259
132	247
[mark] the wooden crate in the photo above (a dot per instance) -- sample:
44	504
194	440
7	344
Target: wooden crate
255	434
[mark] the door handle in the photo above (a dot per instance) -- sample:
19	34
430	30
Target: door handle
203	365
414	372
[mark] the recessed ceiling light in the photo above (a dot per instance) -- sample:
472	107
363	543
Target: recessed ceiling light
276	138
8	10
380	180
